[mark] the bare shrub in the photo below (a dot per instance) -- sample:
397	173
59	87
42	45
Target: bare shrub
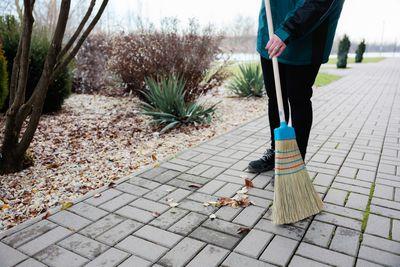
150	53
91	74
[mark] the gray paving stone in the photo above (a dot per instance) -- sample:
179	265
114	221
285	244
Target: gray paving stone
88	211
345	241
351	188
283	230
215	237
344	211
142	248
148	184
279	250
324	255
175	167
135	214
254	243
110	258
194	179
386	203
336	196
159	192
31	262
158	236
378	256
188	223
45	240
83	246
201	157
396	230
348	172
166	176
364	263
136	261
357	201
381	243
228	213
177	195
228	190
339	220
167	219
69	220
198	169
200	197
29	233
60	257
95	229
196	207
213	172
298	261
386	212
118	202
152	173
104	196
323	179
249	216
119	232
378	225
223	226
319	233
210	256
384	191
132	189
182	253
365	175
211	187
261	193
237	260
10	256
149	205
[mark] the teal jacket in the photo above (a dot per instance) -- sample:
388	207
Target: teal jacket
307	27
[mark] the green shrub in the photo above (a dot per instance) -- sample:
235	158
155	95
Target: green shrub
3	78
344	47
360	52
59	89
248	81
165	103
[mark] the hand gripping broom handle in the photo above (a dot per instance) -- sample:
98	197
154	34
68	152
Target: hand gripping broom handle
275	64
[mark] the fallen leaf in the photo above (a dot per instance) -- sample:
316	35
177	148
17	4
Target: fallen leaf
111	185
213	216
197	186
206	204
170	199
244	190
243	230
47	215
173	204
154	157
5	207
155	214
66	205
97	195
248	183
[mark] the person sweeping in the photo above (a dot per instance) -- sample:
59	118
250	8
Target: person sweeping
301	42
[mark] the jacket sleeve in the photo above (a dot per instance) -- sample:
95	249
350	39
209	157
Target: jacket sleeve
305	18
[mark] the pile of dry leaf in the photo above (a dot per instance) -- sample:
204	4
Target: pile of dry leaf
95	140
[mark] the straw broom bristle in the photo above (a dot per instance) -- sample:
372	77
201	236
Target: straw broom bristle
295	197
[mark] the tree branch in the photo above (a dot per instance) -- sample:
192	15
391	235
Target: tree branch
82	39
79	29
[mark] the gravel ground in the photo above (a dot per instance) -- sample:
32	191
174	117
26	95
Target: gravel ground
97	139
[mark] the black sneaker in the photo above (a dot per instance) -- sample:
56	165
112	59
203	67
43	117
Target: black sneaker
264	164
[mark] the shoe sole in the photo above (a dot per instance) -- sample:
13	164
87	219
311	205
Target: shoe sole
266	169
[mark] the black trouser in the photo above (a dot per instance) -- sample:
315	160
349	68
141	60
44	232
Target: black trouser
297	82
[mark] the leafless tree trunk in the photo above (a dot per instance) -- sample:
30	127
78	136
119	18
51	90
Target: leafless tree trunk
16	141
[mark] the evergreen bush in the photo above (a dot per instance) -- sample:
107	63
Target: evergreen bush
344	47
360	52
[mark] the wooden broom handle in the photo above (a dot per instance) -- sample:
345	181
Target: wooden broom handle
275	64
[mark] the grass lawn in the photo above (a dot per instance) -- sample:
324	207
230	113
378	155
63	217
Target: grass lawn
365	60
325	79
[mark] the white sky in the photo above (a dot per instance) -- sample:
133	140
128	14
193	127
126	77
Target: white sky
360	18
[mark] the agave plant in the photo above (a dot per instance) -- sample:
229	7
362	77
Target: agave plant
248	81
165	103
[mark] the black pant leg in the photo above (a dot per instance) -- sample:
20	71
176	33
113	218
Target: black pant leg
273	114
299	82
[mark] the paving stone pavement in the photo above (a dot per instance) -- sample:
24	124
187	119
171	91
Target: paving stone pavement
353	159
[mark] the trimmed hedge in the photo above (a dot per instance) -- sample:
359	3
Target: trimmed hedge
59	89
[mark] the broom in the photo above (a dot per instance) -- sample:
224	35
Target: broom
295	197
